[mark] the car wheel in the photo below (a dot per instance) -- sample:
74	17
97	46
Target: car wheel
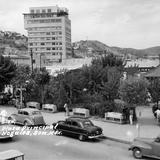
12	120
137	153
81	137
26	123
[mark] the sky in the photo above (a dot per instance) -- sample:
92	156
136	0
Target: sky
122	23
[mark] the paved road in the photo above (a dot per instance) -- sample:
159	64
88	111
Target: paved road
67	148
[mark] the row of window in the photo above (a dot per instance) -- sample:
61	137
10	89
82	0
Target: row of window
45	43
44	33
42	11
44	28
46	49
45	38
44	21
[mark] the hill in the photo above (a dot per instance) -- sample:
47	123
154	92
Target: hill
12	43
93	48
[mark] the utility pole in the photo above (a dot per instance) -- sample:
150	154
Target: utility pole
40	61
31	54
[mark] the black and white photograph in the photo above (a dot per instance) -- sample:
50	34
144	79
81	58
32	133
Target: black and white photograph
79	79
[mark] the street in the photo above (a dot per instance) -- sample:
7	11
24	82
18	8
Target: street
67	148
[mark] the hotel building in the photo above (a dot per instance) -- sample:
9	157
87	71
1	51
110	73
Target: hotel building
49	34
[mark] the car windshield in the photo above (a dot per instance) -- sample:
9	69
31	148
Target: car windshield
36	113
87	123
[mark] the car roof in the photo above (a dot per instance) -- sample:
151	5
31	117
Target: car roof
29	109
78	118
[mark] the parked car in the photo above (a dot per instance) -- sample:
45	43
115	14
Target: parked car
11	155
80	127
149	147
5	133
27	117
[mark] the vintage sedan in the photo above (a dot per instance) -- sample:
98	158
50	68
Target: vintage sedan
149	147
80	127
28	117
5	129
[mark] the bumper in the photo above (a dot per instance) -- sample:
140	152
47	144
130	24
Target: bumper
97	136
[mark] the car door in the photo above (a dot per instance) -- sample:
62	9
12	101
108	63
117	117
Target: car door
19	116
22	116
156	147
76	128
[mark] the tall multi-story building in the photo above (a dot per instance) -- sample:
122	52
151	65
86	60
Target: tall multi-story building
49	34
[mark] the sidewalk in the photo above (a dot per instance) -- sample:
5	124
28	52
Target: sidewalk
119	132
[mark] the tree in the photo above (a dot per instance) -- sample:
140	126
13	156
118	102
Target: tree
7	71
154	90
22	74
41	79
134	91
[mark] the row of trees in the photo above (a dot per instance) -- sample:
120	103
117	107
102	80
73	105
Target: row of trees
94	87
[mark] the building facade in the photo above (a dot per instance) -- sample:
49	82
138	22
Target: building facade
49	34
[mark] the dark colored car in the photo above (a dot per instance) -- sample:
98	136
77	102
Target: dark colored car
80	127
149	147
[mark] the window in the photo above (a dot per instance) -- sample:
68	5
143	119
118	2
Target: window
53	48
53	43
49	10
36	113
31	44
37	11
48	49
47	33
68	122
32	11
25	113
75	124
42	44
43	11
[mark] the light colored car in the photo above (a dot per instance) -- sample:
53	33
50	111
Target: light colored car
149	147
27	117
5	132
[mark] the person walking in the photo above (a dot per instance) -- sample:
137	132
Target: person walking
66	109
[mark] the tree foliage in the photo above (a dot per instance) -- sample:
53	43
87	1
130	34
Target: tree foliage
7	71
134	91
154	90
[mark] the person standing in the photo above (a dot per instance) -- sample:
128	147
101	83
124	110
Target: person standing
131	117
158	115
66	109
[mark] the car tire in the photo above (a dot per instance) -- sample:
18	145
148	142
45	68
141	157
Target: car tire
81	137
26	123
137	153
13	120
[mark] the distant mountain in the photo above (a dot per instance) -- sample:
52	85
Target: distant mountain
93	48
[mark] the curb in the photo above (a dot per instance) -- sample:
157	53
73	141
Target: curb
118	140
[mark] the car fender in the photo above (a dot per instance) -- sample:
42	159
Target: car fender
31	122
141	145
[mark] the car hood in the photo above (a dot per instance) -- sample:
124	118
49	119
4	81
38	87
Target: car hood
144	139
93	129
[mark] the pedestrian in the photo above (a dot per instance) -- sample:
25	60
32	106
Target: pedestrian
66	109
131	117
158	115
